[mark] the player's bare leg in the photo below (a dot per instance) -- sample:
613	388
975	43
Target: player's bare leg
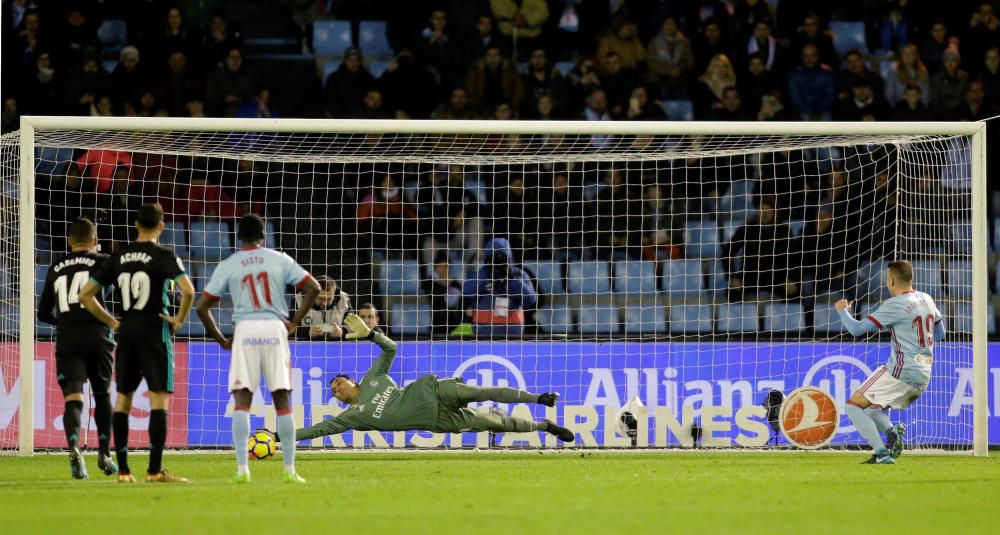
242	400
158	402
286	428
865	425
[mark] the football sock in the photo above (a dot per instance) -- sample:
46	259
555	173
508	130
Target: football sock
120	424
157	439
102	417
241	433
286	428
865	426
880	418
471	394
71	422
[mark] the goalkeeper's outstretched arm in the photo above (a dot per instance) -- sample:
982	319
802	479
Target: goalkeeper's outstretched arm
330	426
359	330
855	327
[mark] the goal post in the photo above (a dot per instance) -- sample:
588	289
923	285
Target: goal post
947	148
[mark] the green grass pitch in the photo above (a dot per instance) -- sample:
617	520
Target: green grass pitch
523	492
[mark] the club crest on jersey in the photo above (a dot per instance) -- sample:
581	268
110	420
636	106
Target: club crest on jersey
809	418
373	384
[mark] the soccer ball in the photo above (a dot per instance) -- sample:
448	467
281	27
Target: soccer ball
261	445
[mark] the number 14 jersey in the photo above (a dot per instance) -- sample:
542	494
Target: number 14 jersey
143	273
256	277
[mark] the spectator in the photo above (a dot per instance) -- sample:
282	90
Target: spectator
484	36
614	219
711	42
811	33
65	199
195	108
210	201
77	36
527	16
346	87
383	216
542	79
583	79
934	46
894	31
128	80
989	75
100	165
811	87
259	107
662	224
748	13
369	314
732	106
439	49
503	112
116	210
218	43
456	214
618	82
773	108
641	108
754	84
178	85
27	42
174	37
408	87
515	214
457	108
545	110
906	70
706	95
102	106
499	292
42	90
325	318
974	108
85	85
372	106
760	249
445	295
982	33
623	40
145	106
229	86
856	69
864	105
948	87
912	107
670	61
764	44
820	272
493	80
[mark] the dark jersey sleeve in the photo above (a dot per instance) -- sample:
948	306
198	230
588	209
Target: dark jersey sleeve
47	302
171	265
105	276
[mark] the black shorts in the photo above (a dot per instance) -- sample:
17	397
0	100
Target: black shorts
84	353
145	353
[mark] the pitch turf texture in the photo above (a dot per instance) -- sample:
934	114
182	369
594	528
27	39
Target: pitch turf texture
521	492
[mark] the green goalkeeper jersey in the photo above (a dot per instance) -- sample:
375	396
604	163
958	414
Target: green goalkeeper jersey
382	405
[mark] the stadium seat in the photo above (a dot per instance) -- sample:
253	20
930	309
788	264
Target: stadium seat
43	250
996	235
113	34
110	65
193	327
826	320
645	319
270	236
565	66
691	319
784	317
961	236
683	277
400	277
201	273
960	319
549	275
738	318
40	272
331	37
678	110
796	226
589	277
635	277
378	68
717	282
927	277
598	319
174	235
372	39
701	239
555	320
52	160
848	36
224	317
411	319
210	241
870	281
330	67
960	278
11	321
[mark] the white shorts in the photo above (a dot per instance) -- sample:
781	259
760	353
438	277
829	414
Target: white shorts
885	391
260	347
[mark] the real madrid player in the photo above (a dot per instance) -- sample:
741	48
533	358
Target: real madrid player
914	323
428	404
256	278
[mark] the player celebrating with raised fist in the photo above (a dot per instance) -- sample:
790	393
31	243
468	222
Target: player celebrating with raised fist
429	404
256	277
914	323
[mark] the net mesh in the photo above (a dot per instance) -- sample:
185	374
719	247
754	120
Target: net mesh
696	273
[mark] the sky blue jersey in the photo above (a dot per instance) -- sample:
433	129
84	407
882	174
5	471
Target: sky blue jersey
256	278
911	319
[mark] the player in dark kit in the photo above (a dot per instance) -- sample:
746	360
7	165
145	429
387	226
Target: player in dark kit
143	272
83	344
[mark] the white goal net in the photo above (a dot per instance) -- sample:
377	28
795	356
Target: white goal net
695	272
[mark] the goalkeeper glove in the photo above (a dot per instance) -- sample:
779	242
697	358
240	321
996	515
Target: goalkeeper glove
267	431
357	327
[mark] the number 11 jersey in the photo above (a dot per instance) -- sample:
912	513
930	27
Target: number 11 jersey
143	273
256	277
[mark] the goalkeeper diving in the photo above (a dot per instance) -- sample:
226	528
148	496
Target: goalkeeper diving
428	404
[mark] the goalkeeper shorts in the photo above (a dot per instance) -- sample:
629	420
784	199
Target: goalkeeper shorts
885	391
260	349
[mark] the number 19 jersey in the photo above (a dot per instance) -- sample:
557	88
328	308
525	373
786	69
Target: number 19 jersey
256	277
142	272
